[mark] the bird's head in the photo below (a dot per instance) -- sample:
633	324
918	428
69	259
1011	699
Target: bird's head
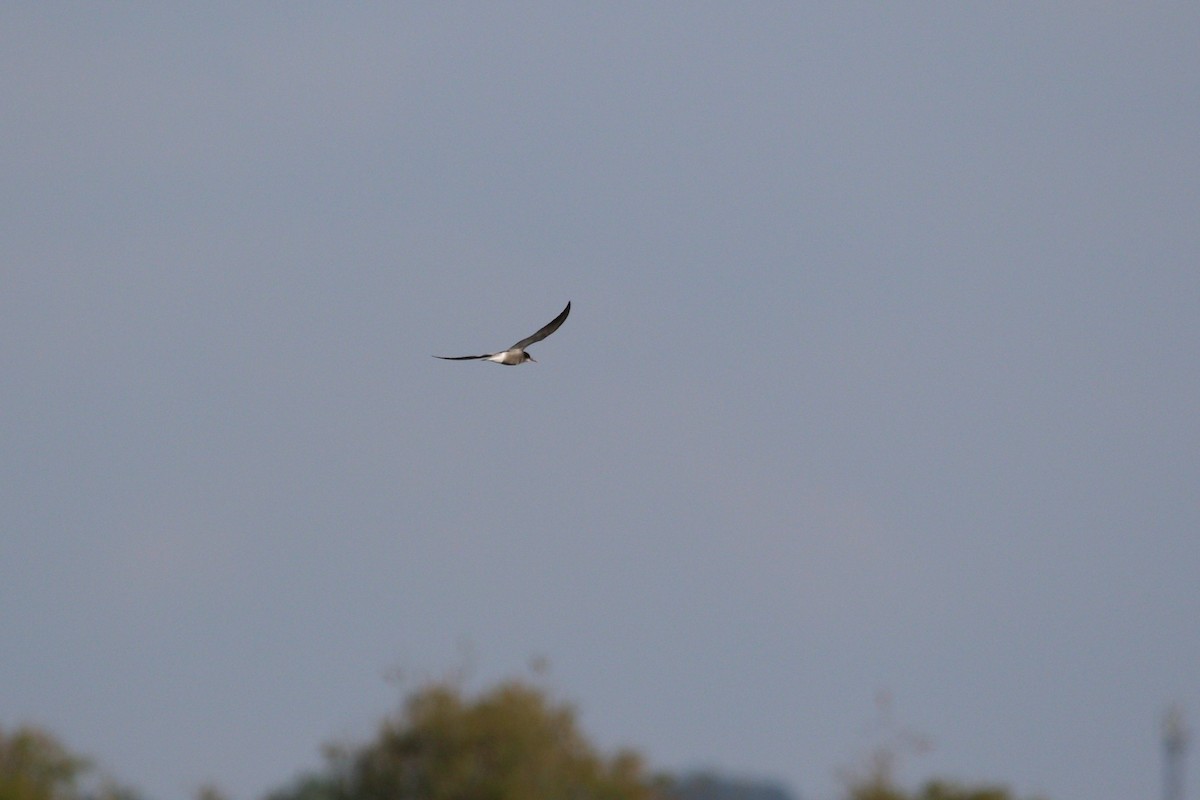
528	358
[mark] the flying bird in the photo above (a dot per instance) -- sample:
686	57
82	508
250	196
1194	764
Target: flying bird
516	354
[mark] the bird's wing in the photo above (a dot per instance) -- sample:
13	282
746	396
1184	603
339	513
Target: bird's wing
464	358
544	332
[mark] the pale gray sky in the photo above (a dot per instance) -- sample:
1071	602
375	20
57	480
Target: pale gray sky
882	374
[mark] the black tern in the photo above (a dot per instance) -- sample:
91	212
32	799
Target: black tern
516	354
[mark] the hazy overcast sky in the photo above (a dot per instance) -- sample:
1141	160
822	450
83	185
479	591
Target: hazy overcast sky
882	374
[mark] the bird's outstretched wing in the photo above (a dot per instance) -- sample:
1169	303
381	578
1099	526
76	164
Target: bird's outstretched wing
544	332
464	358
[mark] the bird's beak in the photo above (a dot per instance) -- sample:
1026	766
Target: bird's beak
531	358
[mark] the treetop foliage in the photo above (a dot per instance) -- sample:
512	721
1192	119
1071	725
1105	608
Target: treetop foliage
508	743
34	766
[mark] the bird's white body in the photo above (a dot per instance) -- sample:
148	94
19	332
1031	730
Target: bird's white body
510	358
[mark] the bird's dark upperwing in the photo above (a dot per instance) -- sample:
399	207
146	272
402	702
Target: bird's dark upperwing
464	358
544	332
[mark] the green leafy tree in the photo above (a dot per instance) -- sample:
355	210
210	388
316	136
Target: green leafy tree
875	777
36	766
508	743
945	790
933	790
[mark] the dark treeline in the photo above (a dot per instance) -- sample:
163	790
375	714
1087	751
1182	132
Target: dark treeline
509	742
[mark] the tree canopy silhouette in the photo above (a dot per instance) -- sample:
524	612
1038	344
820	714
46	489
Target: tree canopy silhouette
509	743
